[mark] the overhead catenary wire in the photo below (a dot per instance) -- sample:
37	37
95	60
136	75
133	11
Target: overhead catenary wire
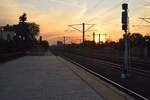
108	14
107	10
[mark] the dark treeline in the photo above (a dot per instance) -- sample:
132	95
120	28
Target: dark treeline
135	40
25	36
139	46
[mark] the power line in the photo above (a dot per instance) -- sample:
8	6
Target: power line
107	10
146	19
83	29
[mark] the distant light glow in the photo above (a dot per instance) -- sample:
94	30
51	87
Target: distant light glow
97	39
102	38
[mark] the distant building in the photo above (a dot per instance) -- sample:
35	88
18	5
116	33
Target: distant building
59	43
6	34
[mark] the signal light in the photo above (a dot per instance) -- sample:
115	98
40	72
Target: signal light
124	27
125	6
124	17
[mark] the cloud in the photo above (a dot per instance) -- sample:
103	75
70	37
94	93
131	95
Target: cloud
53	16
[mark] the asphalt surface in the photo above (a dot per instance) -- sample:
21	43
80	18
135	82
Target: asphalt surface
42	78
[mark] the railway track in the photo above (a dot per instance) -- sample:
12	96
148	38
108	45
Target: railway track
135	67
140	64
131	69
138	82
120	87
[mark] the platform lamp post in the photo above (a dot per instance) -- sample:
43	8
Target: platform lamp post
124	73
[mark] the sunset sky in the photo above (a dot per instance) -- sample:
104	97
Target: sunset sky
53	16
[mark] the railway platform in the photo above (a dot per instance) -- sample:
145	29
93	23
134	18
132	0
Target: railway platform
51	77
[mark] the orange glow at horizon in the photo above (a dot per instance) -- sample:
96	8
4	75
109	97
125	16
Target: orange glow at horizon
54	16
97	39
102	38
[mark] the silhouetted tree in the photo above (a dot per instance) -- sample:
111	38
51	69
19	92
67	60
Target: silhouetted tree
136	39
23	18
8	28
120	44
24	36
147	40
45	44
25	32
34	29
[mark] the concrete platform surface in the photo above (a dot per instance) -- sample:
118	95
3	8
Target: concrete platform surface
42	78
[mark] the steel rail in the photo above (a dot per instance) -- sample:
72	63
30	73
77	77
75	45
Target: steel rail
120	87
